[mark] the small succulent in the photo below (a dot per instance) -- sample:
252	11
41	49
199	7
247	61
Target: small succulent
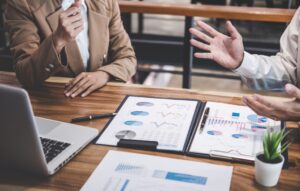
273	146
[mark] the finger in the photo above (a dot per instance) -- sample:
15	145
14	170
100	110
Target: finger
74	19
200	45
272	105
292	91
256	106
77	24
232	30
82	88
78	87
89	91
200	35
75	81
204	56
207	28
70	12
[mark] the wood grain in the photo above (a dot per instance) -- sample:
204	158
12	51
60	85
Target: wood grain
209	11
48	101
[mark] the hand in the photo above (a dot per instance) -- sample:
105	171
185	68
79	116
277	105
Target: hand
228	51
286	111
85	83
70	25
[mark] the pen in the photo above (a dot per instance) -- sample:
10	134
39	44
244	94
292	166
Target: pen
205	116
92	117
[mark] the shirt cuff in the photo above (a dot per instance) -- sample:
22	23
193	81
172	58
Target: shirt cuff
248	67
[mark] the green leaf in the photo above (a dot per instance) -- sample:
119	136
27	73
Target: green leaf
266	151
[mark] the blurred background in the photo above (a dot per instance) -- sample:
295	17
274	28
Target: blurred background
159	44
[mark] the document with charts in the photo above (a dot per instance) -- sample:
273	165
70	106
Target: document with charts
167	121
231	131
121	171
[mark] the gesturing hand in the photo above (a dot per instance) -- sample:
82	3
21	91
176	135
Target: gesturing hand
287	111
85	83
228	51
70	25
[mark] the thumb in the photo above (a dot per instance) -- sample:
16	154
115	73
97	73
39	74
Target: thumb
292	91
232	30
76	3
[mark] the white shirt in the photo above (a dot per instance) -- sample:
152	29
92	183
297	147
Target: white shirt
82	39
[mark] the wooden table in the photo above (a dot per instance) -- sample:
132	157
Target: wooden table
49	102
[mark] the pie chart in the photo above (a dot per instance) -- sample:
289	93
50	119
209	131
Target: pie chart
257	119
127	134
133	123
145	104
213	132
139	113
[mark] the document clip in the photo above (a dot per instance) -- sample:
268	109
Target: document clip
222	155
138	144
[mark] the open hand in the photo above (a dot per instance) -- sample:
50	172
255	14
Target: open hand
85	83
228	51
286	111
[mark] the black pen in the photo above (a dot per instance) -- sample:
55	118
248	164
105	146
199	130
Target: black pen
91	117
205	116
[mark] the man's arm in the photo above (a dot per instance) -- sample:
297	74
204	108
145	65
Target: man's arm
273	72
257	71
122	60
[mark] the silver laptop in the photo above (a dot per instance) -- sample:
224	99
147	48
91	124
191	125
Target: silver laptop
35	144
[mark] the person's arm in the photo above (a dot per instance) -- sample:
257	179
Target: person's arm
122	61
257	71
273	72
34	61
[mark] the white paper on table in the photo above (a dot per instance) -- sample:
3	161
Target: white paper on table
167	121
232	131
121	171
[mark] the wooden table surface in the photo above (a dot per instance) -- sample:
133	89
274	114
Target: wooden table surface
49	101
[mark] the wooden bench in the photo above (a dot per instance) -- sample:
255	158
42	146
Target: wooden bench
209	11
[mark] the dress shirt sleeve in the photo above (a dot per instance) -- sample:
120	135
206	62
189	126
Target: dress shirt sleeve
273	72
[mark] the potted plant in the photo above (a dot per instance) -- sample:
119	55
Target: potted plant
268	164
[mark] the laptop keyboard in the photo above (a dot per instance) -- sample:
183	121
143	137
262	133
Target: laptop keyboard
52	148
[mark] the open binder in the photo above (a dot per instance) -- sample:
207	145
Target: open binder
189	127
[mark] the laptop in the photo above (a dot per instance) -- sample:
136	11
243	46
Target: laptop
34	144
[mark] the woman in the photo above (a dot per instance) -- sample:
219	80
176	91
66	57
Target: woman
84	39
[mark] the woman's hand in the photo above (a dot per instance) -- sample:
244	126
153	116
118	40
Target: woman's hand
70	25
286	111
85	83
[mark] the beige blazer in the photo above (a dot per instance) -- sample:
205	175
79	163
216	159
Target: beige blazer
31	23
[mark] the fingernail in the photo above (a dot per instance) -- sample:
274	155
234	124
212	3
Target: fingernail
73	95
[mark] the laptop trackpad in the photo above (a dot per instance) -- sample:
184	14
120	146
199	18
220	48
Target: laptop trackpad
45	126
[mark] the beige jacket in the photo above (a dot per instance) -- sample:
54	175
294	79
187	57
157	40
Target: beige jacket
31	23
273	72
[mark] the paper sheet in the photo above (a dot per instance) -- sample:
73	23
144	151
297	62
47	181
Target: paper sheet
167	121
120	171
232	131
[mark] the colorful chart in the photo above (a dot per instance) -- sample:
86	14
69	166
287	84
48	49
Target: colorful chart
133	123
258	128
214	132
257	119
239	136
127	134
145	104
139	113
235	115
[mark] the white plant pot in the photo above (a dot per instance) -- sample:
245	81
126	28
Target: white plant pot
267	174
